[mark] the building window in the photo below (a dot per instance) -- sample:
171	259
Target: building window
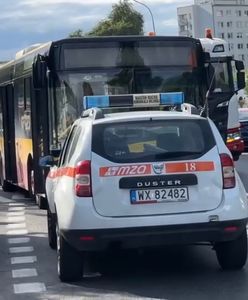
231	46
239	35
239	24
240	46
228	12
238	13
219	13
220	24
241	57
229	35
229	24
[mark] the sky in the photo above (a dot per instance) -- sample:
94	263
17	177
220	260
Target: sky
27	22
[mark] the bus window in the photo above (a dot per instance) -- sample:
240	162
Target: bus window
221	77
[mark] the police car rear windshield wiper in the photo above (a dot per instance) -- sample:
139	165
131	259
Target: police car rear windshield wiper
176	154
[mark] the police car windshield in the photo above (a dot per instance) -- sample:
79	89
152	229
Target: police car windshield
141	141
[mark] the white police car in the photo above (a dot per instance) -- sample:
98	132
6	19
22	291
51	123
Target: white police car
143	178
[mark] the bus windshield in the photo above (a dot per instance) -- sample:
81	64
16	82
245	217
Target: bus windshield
72	87
129	67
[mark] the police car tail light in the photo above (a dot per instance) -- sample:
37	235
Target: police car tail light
83	179
227	171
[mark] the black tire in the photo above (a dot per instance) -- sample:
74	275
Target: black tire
1	170
236	155
232	255
70	261
51	228
8	187
31	193
41	202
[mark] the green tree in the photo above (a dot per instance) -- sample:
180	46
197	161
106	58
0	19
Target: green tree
77	33
123	20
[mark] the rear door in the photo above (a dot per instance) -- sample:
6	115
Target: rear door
155	167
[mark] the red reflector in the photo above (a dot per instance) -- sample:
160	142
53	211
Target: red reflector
87	238
231	229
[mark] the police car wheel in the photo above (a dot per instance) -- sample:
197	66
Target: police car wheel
70	262
51	225
232	255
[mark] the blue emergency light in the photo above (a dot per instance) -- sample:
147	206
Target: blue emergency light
134	100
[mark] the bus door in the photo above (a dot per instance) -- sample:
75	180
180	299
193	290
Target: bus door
9	157
39	113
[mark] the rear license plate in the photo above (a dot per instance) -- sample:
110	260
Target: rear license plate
159	195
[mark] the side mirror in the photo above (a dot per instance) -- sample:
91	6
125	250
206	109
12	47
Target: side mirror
39	73
46	161
55	152
239	64
241	80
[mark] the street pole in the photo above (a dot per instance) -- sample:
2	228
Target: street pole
153	23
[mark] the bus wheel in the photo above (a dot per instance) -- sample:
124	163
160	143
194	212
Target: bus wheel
8	187
1	170
31	193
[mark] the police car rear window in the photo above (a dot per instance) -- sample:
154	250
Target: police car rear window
154	140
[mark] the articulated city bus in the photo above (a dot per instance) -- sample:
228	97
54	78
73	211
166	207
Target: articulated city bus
42	90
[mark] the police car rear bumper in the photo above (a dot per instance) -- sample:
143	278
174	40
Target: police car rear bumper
102	239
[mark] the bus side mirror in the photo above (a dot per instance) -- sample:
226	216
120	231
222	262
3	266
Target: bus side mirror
39	74
55	152
46	161
241	80
239	64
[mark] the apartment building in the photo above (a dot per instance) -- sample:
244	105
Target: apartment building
227	18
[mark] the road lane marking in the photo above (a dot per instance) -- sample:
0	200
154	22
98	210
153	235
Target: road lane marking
16	225
16	219
19	240
16	204
35	287
17	232
23	260
21	249
16	214
20	273
18	208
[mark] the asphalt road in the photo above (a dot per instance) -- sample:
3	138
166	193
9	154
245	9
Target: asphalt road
182	272
242	167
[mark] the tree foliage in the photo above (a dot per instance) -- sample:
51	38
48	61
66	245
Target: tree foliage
123	20
77	33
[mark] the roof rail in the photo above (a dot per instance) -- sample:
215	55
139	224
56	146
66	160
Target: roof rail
95	113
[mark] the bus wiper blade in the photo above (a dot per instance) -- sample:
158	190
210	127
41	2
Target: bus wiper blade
176	154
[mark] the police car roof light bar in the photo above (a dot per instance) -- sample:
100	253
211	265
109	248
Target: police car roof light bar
134	100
